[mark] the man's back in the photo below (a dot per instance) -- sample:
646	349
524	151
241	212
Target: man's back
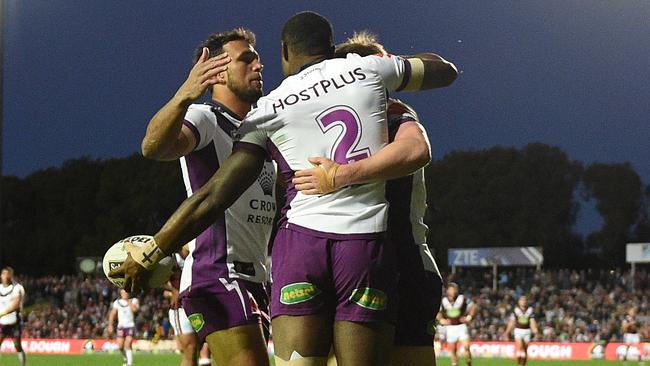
335	108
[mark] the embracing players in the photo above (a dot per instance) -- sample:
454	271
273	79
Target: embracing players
523	321
334	272
222	284
11	301
124	309
455	313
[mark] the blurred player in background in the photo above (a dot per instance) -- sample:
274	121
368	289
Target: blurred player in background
455	314
124	310
11	302
420	284
222	283
333	271
186	339
523	321
631	337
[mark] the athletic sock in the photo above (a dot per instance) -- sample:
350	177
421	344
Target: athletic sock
204	362
129	357
21	358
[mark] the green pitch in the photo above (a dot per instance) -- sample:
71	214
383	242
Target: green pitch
173	360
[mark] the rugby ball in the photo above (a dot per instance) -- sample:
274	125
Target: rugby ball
117	254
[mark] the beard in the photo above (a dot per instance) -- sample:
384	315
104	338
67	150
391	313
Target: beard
244	92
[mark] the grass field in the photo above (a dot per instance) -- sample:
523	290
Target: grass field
173	360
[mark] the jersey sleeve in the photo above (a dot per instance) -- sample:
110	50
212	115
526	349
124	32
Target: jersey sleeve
114	306
252	134
202	122
394	71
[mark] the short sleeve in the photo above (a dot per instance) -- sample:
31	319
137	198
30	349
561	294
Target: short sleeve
203	123
394	71
114	306
21	291
252	134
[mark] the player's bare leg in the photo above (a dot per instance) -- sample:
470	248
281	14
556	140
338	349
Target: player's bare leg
238	346
22	359
204	355
128	351
361	344
520	350
453	353
466	352
120	345
302	340
413	356
187	343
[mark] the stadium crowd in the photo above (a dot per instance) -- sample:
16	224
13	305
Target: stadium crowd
570	305
78	307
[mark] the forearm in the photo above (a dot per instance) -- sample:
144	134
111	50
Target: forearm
164	128
430	71
397	159
203	208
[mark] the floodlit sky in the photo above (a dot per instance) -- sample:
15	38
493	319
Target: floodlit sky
84	77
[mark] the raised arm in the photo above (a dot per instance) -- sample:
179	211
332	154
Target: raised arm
195	214
429	71
167	138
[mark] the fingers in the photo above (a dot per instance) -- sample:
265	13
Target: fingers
204	55
317	160
305	173
303	180
311	192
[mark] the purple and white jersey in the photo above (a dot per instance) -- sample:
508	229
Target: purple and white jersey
236	244
407	197
8	295
336	109
125	315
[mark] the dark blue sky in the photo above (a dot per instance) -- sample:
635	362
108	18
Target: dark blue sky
84	77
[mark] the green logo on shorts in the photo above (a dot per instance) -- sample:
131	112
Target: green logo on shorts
370	298
298	292
197	321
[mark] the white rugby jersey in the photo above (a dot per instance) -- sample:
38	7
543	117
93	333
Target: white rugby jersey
522	318
453	311
125	316
7	296
239	240
336	109
407	197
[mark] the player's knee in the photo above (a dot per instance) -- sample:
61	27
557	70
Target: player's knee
297	360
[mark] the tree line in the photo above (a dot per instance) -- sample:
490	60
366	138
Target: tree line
493	197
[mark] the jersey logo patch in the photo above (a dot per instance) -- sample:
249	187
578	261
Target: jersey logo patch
298	292
266	181
369	298
196	320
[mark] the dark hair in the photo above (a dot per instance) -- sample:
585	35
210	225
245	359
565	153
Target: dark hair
309	34
362	43
216	41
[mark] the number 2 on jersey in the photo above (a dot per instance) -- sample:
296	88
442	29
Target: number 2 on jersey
346	147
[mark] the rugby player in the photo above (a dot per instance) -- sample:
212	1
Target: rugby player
124	310
455	313
11	301
334	276
420	284
523	321
186	339
222	284
631	338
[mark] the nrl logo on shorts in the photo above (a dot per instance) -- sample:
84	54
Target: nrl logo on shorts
369	298
298	292
266	181
197	322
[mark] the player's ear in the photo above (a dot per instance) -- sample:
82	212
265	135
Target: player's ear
285	52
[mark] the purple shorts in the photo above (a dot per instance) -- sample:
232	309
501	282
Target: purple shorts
351	277
420	295
125	332
10	330
226	303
